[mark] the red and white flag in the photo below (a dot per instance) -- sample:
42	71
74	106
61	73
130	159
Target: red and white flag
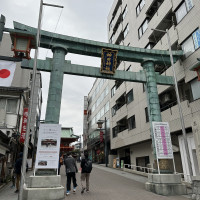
7	70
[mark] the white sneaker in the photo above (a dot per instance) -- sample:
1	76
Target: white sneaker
67	193
74	190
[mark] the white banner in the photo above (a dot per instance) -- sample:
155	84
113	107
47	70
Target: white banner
48	146
162	139
7	70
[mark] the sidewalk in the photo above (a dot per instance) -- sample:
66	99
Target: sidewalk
7	192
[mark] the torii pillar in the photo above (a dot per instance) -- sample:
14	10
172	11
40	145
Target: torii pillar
49	186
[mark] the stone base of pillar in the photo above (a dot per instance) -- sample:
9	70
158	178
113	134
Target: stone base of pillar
165	184
196	187
44	188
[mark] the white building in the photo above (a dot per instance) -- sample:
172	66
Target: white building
130	23
13	100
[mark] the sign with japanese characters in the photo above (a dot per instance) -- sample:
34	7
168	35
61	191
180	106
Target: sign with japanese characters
101	136
162	140
24	124
108	61
48	146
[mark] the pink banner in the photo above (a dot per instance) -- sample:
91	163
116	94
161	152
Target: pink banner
162	130
24	123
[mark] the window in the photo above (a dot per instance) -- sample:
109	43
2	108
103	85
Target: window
147	114
143	28
129	97
192	43
183	10
93	108
11	106
140	6
126	30
111	39
125	12
113	90
149	45
131	123
195	85
114	110
106	91
115	131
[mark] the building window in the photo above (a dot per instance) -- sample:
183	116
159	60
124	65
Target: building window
129	97
11	106
111	39
126	30
143	28
195	85
192	43
93	108
113	90
150	45
125	12
114	131
114	110
140	6
183	10
147	114
131	123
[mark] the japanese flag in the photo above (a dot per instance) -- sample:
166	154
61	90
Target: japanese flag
7	70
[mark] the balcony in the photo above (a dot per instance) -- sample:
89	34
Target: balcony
162	20
119	36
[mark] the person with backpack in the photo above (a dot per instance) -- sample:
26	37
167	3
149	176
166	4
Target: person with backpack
71	170
86	166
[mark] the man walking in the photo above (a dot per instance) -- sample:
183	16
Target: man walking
86	165
71	170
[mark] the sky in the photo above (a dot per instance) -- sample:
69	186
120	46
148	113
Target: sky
85	19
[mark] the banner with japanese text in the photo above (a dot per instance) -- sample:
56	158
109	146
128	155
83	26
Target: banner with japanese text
24	124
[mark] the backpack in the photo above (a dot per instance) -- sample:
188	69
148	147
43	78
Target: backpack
88	166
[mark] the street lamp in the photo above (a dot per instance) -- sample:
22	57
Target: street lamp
99	123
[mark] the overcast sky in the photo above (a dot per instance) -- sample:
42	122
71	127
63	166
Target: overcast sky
79	18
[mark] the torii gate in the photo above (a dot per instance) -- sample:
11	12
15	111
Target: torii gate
58	66
62	44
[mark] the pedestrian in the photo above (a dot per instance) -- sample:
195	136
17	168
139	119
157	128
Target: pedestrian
86	168
60	163
18	165
71	170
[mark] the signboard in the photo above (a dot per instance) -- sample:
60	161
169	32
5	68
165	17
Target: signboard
162	139
196	38
24	124
48	146
108	61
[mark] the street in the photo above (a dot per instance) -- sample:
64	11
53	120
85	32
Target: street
105	183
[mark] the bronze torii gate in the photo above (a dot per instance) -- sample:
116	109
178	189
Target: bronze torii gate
62	44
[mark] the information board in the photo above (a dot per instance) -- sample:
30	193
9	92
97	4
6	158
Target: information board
162	140
48	146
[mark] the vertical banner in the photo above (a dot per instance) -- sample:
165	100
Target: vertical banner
101	136
48	146
162	139
24	124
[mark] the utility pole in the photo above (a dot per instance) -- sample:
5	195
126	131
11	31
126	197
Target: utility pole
26	142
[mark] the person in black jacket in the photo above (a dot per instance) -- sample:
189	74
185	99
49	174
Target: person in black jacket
18	165
71	170
86	166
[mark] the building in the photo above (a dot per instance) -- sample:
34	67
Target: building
133	23
13	100
67	137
